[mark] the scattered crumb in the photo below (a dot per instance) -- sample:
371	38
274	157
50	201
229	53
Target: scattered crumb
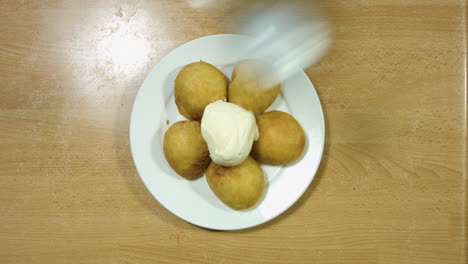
168	122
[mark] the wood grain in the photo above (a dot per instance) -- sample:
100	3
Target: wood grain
391	187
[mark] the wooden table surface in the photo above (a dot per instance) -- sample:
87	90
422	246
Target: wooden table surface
392	182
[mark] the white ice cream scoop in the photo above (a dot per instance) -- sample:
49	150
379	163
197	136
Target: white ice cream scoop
229	131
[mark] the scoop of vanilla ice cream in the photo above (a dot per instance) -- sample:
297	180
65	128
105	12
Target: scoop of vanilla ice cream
229	131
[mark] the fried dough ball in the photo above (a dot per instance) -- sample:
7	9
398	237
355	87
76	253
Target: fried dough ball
254	86
197	85
185	149
239	187
282	139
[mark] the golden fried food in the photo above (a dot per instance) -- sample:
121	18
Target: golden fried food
254	86
185	149
282	139
197	85
239	187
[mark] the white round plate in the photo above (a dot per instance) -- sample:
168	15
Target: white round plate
194	201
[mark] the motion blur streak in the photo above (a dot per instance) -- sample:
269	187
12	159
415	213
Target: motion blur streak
285	34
